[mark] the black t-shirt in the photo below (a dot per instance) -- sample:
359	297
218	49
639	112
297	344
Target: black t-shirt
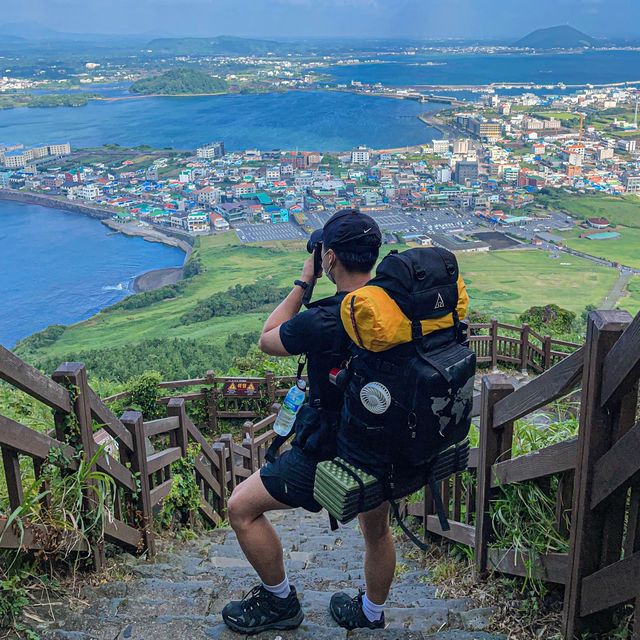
319	333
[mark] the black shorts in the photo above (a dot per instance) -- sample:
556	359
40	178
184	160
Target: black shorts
289	479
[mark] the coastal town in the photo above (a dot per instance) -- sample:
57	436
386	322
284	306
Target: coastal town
474	188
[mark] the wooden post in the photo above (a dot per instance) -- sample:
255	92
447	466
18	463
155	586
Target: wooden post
495	445
227	440
176	407
270	380
221	476
595	438
546	348
248	442
494	344
211	400
524	348
132	420
14	478
79	433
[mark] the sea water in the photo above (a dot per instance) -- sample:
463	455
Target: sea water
60	268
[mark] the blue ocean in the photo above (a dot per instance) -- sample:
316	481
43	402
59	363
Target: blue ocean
60	268
318	120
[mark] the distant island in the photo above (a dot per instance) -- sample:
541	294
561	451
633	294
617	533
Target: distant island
562	37
179	81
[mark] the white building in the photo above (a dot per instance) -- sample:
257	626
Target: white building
440	146
88	192
63	149
361	155
273	173
209	196
210	151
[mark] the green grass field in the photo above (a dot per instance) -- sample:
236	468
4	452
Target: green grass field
625	250
506	283
503	283
622	210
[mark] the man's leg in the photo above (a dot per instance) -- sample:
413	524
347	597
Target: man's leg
257	537
379	553
273	604
379	567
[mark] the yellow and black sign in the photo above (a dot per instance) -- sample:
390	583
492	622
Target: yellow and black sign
240	387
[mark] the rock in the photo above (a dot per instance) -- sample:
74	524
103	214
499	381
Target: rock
474	619
385	634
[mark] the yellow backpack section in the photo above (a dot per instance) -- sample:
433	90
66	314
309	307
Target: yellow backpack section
376	323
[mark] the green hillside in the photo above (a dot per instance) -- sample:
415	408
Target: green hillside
167	334
179	81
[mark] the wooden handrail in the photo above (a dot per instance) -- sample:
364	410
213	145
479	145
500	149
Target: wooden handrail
161	426
112	425
32	443
556	383
162	459
549	461
622	365
28	379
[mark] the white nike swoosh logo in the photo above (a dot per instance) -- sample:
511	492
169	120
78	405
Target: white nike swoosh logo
367	230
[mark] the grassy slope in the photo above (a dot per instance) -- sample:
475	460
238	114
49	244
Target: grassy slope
631	301
522	278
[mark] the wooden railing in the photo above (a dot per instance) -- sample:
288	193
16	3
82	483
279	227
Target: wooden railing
598	496
495	343
138	457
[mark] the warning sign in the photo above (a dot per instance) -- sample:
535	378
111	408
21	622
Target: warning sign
240	387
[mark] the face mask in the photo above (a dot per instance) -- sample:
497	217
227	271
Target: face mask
327	272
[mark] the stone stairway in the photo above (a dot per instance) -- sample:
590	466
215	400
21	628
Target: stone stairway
180	595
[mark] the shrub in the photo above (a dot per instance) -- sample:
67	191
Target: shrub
550	318
235	300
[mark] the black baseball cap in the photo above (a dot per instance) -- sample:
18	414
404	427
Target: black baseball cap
347	230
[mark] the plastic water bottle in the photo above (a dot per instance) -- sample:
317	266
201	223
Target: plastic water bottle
290	407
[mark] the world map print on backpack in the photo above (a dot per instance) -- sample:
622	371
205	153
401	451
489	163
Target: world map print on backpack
409	389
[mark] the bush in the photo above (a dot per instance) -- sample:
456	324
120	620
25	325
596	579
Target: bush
235	300
551	319
146	299
193	267
44	338
144	395
173	358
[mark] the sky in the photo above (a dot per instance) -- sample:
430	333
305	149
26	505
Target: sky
430	19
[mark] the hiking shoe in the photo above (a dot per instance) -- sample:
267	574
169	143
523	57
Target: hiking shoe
260	610
348	613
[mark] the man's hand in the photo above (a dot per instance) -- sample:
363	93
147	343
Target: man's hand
308	274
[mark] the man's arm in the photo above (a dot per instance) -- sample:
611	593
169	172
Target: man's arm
270	342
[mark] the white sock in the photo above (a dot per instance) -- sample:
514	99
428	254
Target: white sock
373	612
281	590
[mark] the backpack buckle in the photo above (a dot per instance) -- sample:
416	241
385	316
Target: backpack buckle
419	272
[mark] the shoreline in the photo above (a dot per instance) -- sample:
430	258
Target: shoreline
146	281
154	278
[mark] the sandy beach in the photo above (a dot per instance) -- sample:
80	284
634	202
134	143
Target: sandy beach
156	278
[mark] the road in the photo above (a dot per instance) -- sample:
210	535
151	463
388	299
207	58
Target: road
617	291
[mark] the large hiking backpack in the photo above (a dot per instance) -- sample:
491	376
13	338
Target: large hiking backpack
409	393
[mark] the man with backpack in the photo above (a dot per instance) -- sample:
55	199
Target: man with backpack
347	249
395	421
